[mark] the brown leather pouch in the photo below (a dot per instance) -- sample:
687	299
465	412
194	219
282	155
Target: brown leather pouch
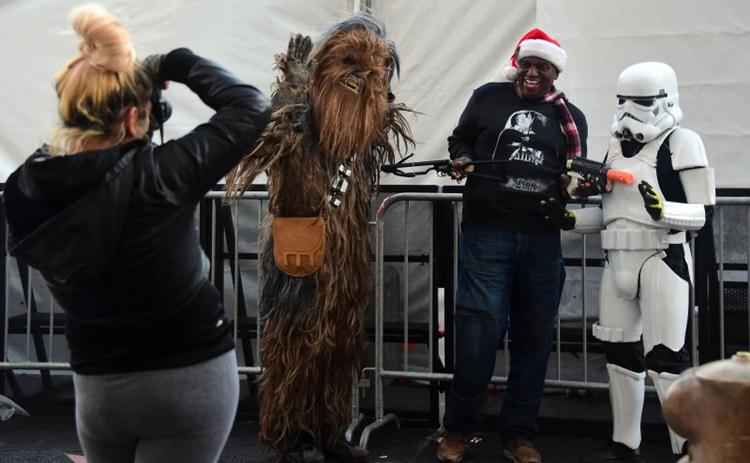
299	244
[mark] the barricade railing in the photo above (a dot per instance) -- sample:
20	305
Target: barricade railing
218	197
726	203
379	372
36	324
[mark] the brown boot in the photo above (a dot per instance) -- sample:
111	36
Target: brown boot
519	450
451	448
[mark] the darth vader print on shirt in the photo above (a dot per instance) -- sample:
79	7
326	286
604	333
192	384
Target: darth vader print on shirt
528	145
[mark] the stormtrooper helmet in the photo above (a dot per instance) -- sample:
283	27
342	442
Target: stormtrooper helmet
647	102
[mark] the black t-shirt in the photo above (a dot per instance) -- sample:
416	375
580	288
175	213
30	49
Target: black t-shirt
527	136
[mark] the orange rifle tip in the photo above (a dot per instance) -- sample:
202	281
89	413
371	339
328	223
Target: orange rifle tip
620	176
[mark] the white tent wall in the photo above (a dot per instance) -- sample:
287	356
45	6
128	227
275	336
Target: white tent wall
241	35
447	48
705	42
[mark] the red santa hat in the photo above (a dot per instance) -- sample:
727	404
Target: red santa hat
539	44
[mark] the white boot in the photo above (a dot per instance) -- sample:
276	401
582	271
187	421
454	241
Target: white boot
662	381
626	392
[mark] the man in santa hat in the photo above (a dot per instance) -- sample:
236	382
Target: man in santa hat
510	271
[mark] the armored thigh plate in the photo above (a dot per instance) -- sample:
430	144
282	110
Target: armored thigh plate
626	268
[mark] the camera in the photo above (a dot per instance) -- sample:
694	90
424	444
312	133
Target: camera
161	111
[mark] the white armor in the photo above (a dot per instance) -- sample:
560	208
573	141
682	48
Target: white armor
626	203
626	394
641	296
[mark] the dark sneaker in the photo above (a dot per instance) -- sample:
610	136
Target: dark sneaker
451	448
615	452
519	450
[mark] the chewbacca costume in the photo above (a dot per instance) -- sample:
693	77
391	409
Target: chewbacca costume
334	124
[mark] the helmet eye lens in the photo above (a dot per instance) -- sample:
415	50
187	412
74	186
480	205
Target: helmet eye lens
644	101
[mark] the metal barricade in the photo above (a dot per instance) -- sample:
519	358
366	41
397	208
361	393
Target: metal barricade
218	198
35	325
727	205
379	372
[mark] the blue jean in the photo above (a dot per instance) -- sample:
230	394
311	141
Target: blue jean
506	280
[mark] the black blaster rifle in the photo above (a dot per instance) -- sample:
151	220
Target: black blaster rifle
441	167
592	176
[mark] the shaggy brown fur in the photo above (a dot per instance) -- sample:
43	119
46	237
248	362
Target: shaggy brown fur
330	107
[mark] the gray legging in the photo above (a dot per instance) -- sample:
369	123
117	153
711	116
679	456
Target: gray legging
176	415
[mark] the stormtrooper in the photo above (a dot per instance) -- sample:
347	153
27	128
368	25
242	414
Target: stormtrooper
645	289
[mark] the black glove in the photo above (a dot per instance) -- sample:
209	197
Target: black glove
556	214
651	200
175	66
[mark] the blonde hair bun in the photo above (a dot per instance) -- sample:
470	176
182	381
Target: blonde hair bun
105	43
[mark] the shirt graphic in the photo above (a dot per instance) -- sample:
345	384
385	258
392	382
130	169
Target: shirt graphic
519	144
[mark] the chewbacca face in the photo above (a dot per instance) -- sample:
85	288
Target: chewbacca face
349	92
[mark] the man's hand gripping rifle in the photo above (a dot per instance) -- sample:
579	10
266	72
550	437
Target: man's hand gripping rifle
581	178
589	177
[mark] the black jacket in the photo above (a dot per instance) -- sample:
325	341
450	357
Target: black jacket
113	232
